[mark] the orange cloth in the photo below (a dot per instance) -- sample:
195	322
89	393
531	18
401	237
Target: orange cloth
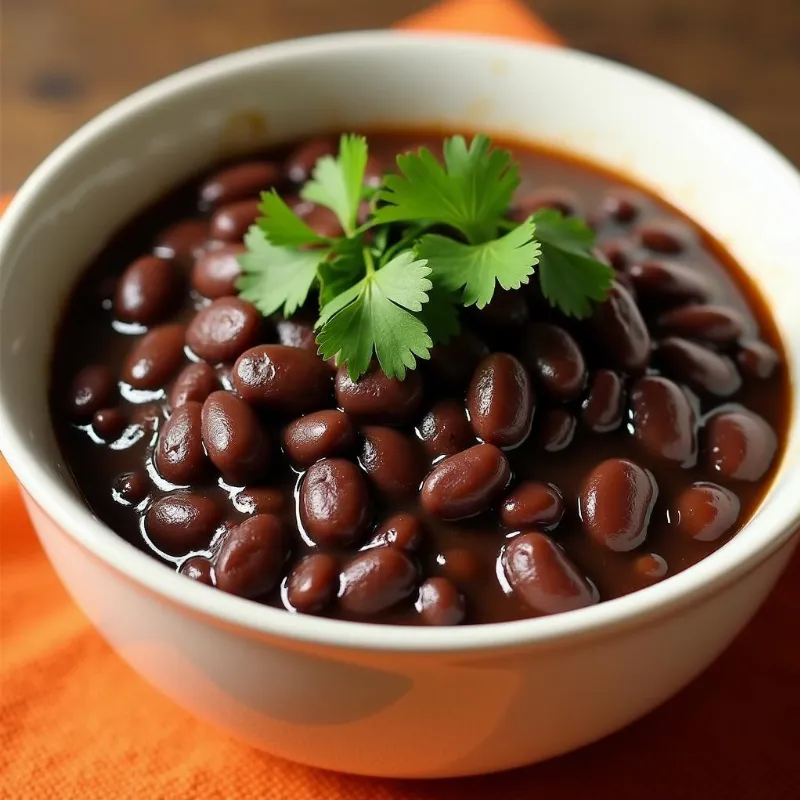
77	723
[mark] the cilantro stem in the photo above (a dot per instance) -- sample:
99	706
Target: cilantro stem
406	241
369	261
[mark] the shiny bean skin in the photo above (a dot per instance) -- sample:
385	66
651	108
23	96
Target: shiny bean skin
132	487
147	291
393	461
92	389
501	401
261	500
533	504
239	182
335	507
400	530
251	558
507	309
313	583
318	435
223	330
620	329
301	162
376	398
180	457
622	206
467	483
215	273
670	283
109	423
604	407
453	363
445	429
376	580
320	219
697	366
440	602
664	421
236	442
460	565
155	358
194	383
182	521
616	502
740	445
757	360
556	430
651	567
716	324
285	379
198	568
706	511
231	222
555	360
618	253
184	241
295	333
664	236
539	573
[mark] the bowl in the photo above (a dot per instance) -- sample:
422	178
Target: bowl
377	699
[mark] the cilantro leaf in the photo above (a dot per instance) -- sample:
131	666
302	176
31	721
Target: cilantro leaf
569	275
375	316
337	182
475	269
470	192
345	268
281	225
275	277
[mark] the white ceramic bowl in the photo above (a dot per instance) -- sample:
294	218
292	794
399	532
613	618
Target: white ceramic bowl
370	699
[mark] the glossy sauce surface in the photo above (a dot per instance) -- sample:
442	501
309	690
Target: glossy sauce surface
600	438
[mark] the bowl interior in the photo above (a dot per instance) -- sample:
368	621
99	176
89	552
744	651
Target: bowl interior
698	159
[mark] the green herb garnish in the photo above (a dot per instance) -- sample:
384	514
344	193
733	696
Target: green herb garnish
436	238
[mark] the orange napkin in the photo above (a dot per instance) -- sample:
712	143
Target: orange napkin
77	723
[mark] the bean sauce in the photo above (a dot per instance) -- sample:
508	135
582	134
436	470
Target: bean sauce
536	464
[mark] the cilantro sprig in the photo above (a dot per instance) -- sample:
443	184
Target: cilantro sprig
437	238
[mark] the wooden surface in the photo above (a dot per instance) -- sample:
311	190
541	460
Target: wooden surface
62	61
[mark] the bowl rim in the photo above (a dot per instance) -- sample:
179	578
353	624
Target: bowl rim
715	572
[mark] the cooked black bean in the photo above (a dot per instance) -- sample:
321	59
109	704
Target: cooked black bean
261	500
603	408
541	575
664	236
376	398
301	162
320	219
460	564
555	360
182	521
285	379
757	360
616	502
399	530
184	241
706	511
440	602
296	333
664	420
619	253
155	358
507	309
533	504
313	583
556	430
215	272
335	506
622	205
223	330
716	324
109	423
393	461
180	456
445	429
376	580
318	435
467	483
619	327
669	283
740	444
234	438
194	383
251	558
239	182
198	568
92	389
452	364
231	222
132	487
557	198
147	291
501	401
700	368
651	568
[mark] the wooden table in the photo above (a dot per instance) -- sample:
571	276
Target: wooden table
62	61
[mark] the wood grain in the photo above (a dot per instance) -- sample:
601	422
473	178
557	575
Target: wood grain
62	61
